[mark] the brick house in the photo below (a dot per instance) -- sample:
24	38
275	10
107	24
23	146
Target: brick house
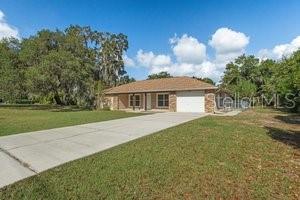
178	94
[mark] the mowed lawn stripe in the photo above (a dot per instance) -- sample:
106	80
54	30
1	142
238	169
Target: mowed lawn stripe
211	157
15	120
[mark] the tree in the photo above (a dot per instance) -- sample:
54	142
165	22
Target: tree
11	71
59	74
97	55
286	78
250	77
159	75
248	67
111	65
241	74
266	78
231	75
35	47
245	88
125	79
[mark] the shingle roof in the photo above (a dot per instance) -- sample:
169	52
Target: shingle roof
161	85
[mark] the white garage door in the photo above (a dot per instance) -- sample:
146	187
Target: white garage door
190	101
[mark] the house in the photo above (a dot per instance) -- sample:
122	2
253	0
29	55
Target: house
177	94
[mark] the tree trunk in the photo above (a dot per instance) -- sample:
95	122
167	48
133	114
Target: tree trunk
99	97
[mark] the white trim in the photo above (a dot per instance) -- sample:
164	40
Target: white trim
139	101
112	103
148	101
157	99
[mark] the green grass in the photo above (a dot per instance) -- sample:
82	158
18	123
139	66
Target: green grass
32	118
213	158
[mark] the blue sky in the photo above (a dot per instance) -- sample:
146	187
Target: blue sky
150	25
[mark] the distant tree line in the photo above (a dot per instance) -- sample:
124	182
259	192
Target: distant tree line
164	74
159	75
247	76
65	67
74	66
206	80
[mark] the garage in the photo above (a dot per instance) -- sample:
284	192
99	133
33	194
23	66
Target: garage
190	101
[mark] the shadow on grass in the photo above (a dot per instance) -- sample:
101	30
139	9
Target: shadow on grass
290	119
288	137
51	108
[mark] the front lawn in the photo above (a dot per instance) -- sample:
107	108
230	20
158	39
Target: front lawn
254	155
20	119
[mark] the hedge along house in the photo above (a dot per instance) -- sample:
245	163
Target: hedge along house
178	94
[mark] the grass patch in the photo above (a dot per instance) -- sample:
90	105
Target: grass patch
19	119
212	158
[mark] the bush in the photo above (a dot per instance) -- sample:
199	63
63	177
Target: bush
24	101
106	108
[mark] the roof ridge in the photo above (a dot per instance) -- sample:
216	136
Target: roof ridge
164	84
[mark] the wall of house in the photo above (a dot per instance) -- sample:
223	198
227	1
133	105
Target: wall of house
154	101
209	101
121	101
142	101
107	101
114	101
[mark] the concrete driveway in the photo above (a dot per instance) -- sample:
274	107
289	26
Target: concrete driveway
27	154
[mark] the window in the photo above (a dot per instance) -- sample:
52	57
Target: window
137	100
162	100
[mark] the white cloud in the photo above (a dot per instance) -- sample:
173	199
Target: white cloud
191	58
223	59
128	62
148	59
1	15
225	41
188	49
7	30
228	45
205	69
157	69
144	58
264	54
161	60
281	50
183	69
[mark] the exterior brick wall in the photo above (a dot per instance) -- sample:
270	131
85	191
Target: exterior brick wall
209	101
107	101
123	101
172	101
141	101
115	102
153	100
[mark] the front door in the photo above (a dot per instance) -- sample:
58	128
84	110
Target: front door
148	101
